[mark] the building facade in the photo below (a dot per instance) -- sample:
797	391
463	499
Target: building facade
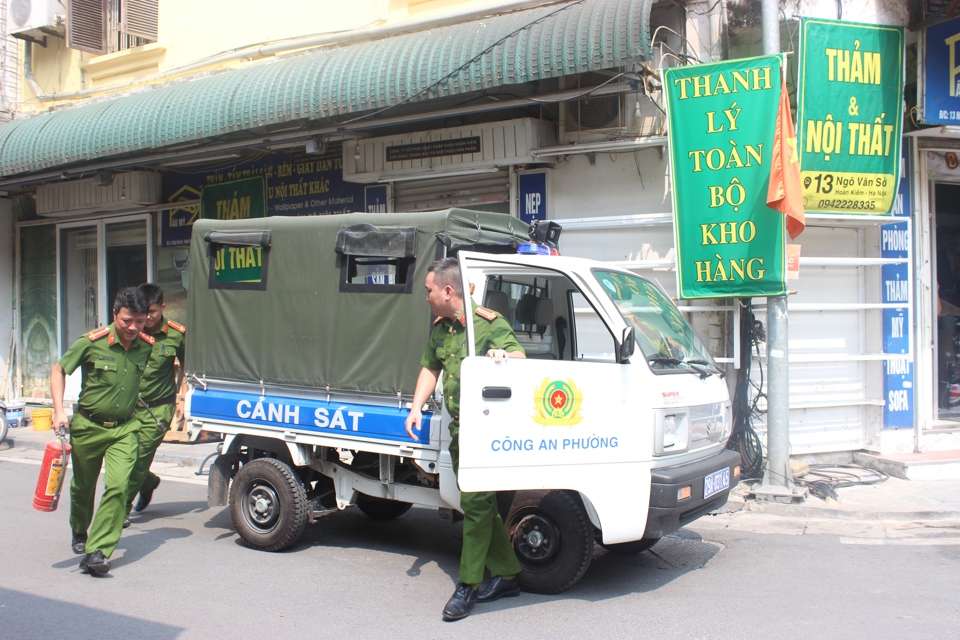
127	131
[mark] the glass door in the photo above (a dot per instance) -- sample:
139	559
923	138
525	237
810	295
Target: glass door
96	260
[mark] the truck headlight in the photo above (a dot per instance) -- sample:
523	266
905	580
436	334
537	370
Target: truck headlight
672	433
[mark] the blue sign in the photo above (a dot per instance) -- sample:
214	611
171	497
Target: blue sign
375	199
298	184
940	103
895	242
533	196
363	421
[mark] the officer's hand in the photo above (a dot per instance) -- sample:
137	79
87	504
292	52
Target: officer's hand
413	422
498	355
177	414
60	423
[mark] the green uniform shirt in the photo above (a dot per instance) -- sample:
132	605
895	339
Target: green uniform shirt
159	379
111	374
448	347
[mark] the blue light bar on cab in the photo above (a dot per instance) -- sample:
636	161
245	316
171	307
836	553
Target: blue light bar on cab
534	249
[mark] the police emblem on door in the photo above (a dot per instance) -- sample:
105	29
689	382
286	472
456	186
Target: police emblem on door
556	403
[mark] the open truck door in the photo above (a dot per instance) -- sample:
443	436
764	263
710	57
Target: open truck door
552	421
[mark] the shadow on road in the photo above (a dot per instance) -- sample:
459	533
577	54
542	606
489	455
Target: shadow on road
167	510
24	615
140	544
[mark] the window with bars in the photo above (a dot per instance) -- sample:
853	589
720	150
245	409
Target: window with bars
106	26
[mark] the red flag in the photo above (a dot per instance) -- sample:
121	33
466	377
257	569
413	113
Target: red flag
785	193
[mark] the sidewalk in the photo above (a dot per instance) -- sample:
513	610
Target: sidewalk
894	499
178	453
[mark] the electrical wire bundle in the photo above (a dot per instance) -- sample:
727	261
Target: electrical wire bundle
748	396
827	478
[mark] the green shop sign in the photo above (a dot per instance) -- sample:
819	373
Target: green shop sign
236	200
849	107
722	119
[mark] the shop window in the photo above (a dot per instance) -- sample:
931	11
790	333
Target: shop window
106	26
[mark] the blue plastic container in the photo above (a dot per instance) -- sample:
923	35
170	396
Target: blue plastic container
14	413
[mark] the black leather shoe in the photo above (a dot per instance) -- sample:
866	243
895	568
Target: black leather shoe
460	605
79	542
146	495
95	564
499	588
126	522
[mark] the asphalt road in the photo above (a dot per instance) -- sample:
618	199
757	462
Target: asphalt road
181	572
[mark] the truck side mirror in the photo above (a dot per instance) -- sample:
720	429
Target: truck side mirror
626	346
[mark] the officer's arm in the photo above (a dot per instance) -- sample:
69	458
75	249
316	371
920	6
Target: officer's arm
58	382
426	383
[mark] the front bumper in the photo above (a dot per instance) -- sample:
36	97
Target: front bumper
667	512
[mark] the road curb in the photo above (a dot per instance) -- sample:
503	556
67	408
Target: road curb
183	459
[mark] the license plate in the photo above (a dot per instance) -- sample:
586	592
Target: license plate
716	482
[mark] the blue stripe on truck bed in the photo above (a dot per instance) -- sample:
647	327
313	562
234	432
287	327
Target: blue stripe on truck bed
313	416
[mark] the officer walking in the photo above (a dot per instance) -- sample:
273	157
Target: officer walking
160	404
485	540
103	431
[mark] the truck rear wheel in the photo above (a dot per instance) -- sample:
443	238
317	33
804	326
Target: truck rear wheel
553	539
268	504
380	509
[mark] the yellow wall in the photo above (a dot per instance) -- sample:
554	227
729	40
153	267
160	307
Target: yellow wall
192	30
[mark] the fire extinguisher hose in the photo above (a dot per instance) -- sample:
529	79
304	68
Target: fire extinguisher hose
63	468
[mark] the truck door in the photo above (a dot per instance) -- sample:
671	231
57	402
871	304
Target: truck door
562	418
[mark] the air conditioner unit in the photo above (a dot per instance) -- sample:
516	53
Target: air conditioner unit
128	191
597	117
608	117
24	16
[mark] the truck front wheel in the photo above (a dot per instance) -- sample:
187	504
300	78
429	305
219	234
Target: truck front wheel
268	504
553	539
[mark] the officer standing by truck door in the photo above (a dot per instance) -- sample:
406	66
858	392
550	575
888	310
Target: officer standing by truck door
485	540
160	404
103	430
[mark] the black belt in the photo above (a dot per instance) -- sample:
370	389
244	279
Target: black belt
109	424
170	399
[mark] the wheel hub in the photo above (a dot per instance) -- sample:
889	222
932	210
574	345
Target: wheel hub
536	538
262	506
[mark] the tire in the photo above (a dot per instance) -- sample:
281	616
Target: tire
553	539
631	548
4	426
380	509
268	504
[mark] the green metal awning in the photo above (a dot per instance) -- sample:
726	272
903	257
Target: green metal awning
524	46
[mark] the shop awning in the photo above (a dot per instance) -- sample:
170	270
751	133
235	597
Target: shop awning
536	44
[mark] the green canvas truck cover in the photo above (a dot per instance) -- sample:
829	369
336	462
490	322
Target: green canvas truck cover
307	302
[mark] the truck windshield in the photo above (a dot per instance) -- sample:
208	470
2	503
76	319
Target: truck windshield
663	335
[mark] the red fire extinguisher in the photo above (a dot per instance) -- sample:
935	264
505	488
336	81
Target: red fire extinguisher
54	466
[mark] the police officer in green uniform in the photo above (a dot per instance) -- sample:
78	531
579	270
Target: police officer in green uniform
103	431
485	540
158	392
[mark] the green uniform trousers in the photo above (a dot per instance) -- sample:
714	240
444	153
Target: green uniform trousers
151	435
94	447
485	540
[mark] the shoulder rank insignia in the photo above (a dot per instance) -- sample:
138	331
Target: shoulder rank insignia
176	325
438	320
96	334
146	337
487	314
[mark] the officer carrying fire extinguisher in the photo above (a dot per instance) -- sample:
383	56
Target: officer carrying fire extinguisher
104	427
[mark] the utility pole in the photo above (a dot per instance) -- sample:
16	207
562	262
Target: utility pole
777	478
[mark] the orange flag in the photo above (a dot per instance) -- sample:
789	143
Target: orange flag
785	193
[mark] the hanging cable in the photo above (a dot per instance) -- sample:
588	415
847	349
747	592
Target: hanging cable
748	396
